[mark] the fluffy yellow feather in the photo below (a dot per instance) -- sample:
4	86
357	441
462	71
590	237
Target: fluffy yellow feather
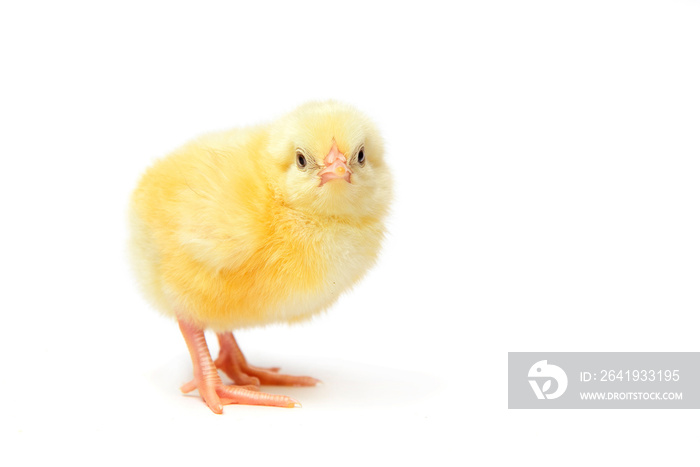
264	224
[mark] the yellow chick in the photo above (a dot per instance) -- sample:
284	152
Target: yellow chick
259	225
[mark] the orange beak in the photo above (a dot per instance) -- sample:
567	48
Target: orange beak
336	166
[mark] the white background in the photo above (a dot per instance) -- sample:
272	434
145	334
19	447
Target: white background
546	157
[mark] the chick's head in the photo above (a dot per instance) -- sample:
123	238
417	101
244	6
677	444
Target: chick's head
331	161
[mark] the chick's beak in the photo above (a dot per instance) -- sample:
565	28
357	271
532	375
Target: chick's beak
336	166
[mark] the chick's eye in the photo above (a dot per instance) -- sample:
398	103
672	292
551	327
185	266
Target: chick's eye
301	161
361	157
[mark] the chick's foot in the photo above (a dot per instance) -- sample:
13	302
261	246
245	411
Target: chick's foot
232	362
207	380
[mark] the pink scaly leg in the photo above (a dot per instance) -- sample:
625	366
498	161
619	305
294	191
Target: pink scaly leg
232	362
207	380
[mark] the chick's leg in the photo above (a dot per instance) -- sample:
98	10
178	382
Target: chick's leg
232	362
207	380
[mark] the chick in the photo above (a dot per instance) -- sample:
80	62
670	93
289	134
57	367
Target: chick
259	225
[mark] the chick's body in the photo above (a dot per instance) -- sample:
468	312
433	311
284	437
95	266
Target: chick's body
264	224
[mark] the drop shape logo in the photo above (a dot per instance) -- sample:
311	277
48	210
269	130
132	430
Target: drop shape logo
545	373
